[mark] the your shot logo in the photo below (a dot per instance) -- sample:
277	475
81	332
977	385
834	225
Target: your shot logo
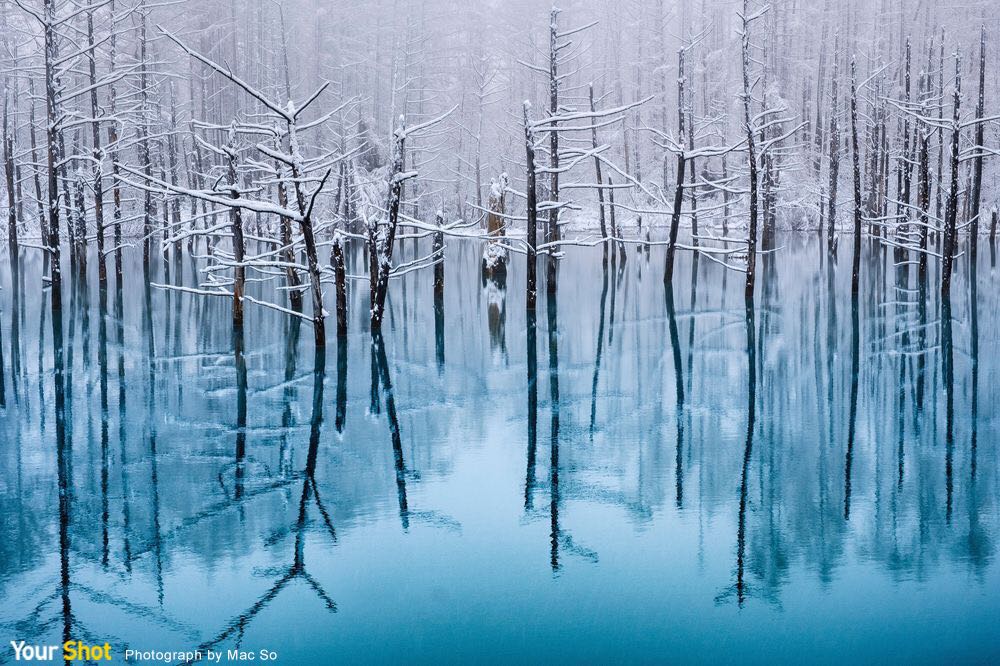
68	651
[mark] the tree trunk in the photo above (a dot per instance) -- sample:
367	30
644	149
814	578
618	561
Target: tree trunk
532	210
977	164
52	154
384	249
951	213
675	218
8	164
752	160
831	216
340	277
102	271
553	226
856	263
597	168
236	226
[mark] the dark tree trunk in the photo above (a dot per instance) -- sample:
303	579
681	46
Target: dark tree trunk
951	213
384	260
752	161
239	248
597	168
675	218
340	278
831	216
924	196
8	167
977	164
856	263
102	271
532	211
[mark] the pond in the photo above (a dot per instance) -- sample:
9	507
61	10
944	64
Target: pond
632	478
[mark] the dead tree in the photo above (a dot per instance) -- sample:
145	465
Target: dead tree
145	157
924	200
52	135
381	268
8	167
340	281
385	239
856	259
675	218
294	166
552	230
97	153
746	20
597	169
834	150
977	164
951	211
532	210
236	225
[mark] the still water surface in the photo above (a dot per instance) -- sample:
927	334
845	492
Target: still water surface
659	481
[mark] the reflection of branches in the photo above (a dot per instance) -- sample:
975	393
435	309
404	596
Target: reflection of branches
211	512
297	570
137	610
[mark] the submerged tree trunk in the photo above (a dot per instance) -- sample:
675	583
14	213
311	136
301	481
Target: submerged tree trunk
384	262
834	153
924	197
675	218
236	226
751	159
532	211
597	168
856	262
340	279
52	87
98	154
977	164
553	226
287	253
951	213
8	164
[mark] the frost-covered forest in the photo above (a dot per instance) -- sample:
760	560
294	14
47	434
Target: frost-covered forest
269	134
604	285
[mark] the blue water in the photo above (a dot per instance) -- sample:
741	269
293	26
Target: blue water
633	518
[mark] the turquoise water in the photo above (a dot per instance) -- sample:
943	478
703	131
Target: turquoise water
442	494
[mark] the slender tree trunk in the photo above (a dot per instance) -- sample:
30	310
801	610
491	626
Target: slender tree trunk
856	264
340	278
907	166
532	211
384	262
113	154
98	154
287	253
940	165
8	164
831	216
553	226
614	223
977	164
597	168
144	155
675	218
42	223
951	214
52	133
752	161
239	247
924	195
